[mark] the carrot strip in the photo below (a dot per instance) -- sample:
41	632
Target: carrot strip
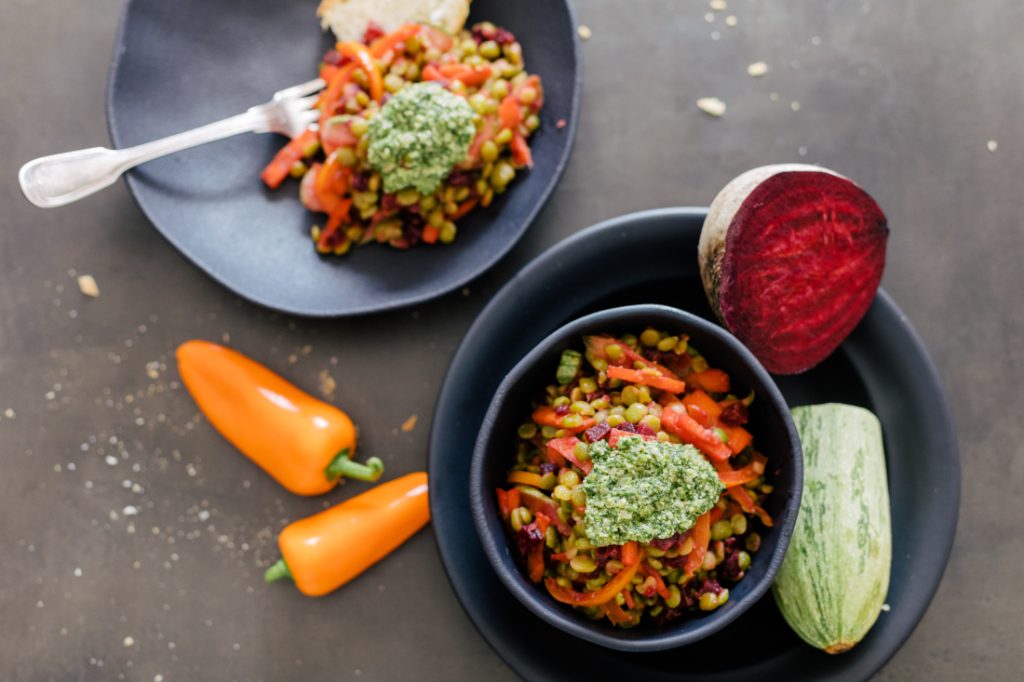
739	438
646	378
630	553
430	234
700	402
627	594
547	416
615	613
606	593
509	113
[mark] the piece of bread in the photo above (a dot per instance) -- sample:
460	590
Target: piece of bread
348	19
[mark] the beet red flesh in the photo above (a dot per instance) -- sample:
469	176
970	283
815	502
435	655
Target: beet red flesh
804	254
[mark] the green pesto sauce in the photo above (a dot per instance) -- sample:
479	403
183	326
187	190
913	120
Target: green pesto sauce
644	490
418	136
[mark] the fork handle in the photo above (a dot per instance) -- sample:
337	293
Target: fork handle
63	178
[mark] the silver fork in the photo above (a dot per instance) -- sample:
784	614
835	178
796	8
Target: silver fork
63	178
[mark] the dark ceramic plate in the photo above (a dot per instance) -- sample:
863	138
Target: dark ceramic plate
185	63
882	366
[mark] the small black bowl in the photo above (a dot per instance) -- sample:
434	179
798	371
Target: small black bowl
770	423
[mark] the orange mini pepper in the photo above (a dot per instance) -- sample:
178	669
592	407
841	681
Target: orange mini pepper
325	551
304	443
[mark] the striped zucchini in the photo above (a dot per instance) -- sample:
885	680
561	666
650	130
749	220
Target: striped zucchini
835	576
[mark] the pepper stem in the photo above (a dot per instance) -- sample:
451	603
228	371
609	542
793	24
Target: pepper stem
342	466
276	572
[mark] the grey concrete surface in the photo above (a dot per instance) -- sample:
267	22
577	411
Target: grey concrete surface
918	100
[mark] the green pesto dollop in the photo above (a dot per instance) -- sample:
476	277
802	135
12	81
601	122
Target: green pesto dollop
644	490
418	136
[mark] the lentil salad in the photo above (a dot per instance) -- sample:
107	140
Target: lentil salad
611	408
365	199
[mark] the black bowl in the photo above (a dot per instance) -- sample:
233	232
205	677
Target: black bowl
185	63
769	421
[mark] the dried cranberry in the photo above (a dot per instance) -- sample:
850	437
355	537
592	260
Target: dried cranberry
373	31
602	555
460	178
674	561
627	427
360	181
528	538
709	585
644	430
730	568
547	468
736	414
334	58
562	410
669	542
388	203
503	37
597	432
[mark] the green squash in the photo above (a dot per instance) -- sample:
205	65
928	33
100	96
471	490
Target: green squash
833	582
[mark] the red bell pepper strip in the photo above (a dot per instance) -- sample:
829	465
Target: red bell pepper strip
562	450
701	536
514	498
430	72
535	563
646	378
329	98
601	596
675	419
543	522
364	59
711	380
618	434
503	503
468	75
521	150
281	165
747	504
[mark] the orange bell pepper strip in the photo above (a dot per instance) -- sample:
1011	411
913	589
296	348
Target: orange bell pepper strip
430	234
535	564
547	416
464	208
304	443
747	504
361	55
733	477
702	407
525	478
627	595
648	377
324	551
739	438
514	498
701	536
600	596
711	380
509	113
281	165
385	44
675	419
630	553
659	582
615	613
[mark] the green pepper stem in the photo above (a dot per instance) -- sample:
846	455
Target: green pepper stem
342	466
276	572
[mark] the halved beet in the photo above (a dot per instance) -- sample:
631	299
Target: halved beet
791	256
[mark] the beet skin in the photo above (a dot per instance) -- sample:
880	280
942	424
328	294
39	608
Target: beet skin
791	257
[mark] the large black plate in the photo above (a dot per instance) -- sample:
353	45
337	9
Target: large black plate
184	63
651	257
